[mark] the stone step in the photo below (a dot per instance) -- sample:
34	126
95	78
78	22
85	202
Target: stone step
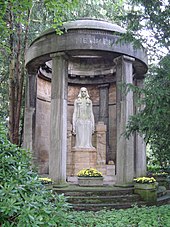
161	191
107	197
164	199
95	191
103	199
108	206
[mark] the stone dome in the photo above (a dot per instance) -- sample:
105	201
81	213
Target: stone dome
95	24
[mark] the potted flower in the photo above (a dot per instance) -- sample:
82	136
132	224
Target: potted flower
146	188
90	177
45	180
145	182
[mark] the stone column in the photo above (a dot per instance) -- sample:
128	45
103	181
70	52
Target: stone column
30	109
124	109
104	112
57	156
140	146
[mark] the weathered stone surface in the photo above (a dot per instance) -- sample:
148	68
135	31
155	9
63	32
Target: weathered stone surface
93	24
125	147
91	42
43	89
90	181
28	137
101	143
42	135
90	63
57	157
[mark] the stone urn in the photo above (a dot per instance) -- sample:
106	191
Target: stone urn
146	191
90	181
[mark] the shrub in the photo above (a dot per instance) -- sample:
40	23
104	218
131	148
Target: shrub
24	200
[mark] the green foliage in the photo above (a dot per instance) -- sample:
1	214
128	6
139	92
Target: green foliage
146	23
107	10
145	216
3	86
24	201
153	168
153	120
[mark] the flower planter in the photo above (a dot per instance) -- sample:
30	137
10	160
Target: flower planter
90	181
146	191
145	186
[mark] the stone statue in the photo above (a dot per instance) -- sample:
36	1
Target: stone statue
83	120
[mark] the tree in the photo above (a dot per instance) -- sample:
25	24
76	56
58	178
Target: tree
15	21
107	10
152	121
147	24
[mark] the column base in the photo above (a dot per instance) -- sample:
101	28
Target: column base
60	185
124	185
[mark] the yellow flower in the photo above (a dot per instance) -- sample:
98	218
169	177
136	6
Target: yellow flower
89	172
45	180
147	180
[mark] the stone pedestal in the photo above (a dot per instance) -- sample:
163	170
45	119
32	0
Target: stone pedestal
82	159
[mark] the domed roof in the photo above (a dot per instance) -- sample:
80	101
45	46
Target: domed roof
93	24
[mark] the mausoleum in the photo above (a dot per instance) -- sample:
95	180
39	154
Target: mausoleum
88	54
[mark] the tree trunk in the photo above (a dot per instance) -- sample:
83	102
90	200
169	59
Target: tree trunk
16	75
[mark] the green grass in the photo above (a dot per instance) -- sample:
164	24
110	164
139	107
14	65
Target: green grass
132	217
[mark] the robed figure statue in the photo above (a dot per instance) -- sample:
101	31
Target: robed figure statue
83	120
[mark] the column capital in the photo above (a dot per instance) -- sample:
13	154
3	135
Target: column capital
127	58
59	54
104	85
32	71
123	57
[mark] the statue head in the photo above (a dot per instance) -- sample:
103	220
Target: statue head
83	93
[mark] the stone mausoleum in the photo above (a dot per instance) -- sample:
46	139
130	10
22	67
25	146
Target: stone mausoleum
88	54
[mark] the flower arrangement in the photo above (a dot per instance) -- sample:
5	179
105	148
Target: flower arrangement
145	180
45	180
89	172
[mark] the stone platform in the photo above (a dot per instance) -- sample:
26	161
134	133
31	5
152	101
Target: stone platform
106	197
